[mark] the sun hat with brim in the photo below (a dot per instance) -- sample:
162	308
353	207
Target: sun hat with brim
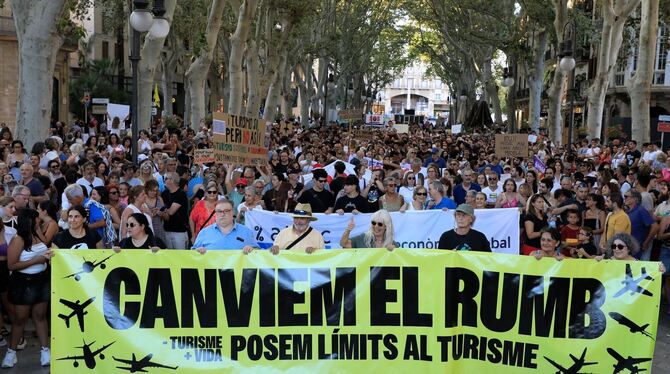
303	211
466	208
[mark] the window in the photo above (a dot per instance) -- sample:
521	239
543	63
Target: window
661	54
105	50
438	96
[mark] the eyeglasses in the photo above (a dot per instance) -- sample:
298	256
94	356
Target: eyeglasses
113	192
212	192
619	247
421	194
380	224
55	166
223	211
131	224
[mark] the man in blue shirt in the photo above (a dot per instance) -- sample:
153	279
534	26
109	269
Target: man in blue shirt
462	189
641	222
226	234
439	201
435	158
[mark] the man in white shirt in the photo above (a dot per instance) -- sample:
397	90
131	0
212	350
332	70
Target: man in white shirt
493	190
89	180
653	150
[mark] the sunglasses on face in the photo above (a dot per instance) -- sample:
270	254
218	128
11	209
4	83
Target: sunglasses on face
421	194
618	246
380	224
240	186
322	180
212	192
113	192
131	224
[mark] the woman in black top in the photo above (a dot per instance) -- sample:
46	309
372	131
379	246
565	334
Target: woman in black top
78	236
141	236
535	220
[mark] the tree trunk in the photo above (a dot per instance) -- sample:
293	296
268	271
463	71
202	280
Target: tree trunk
613	18
150	58
639	85
510	98
238	40
274	90
492	91
535	82
555	91
215	87
39	41
166	86
253	84
199	69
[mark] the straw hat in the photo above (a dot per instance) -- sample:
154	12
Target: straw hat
303	211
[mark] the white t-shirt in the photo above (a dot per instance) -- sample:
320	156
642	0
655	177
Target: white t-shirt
97	182
492	195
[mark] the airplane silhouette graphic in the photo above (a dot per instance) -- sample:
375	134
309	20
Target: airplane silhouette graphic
87	267
629	363
632	326
146	362
77	310
88	355
577	365
633	284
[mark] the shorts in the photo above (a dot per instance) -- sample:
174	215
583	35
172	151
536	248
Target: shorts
4	276
29	289
664	257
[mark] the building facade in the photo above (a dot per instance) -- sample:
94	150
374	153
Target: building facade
414	90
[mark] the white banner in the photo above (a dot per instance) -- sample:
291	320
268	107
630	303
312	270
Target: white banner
413	229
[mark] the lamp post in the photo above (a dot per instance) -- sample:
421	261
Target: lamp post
142	20
567	65
330	85
508	78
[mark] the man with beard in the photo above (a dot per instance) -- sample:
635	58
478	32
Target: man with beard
300	235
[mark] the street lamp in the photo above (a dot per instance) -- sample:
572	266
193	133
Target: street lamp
567	65
508	80
330	86
142	20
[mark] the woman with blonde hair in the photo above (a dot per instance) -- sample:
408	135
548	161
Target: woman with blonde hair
379	235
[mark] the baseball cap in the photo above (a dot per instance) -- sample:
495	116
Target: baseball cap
466	208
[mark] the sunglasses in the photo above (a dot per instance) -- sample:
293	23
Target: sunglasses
240	186
421	194
113	192
130	224
618	246
212	192
322	180
380	224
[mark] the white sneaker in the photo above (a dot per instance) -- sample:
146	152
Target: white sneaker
3	342
45	356
10	359
22	344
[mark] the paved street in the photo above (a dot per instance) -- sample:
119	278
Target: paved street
30	357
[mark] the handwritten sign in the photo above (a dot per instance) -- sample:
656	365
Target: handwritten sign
401	128
203	156
351	114
374	119
240	140
512	145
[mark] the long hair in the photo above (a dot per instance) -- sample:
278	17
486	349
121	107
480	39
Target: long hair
384	217
26	226
629	240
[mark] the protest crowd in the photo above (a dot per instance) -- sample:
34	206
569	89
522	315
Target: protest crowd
78	189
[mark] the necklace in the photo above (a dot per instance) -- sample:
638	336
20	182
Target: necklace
138	243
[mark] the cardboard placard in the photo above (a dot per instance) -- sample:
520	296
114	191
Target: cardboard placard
351	114
203	156
240	140
512	145
374	119
401	128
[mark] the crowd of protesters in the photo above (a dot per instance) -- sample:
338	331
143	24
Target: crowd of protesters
79	189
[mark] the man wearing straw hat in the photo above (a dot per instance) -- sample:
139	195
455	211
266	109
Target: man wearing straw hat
300	235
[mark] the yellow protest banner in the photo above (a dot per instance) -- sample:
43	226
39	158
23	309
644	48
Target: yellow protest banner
240	140
362	310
